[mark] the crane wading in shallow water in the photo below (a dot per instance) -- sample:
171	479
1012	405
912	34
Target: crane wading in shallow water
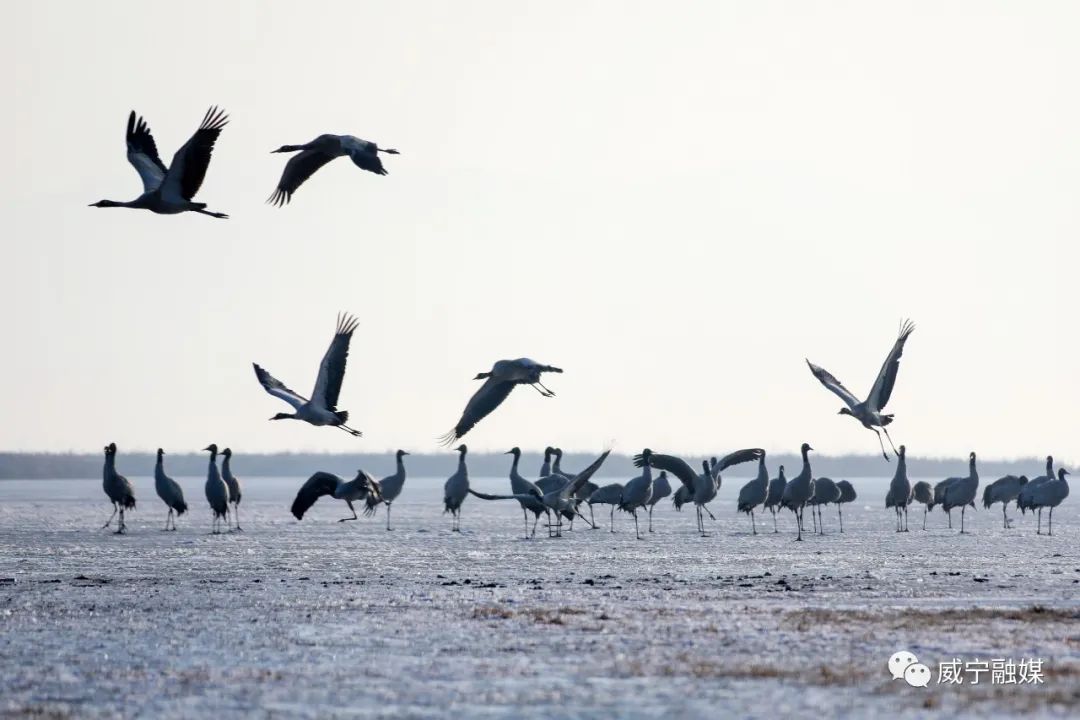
498	382
869	411
168	191
321	409
318	152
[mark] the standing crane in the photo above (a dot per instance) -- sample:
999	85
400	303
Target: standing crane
233	483
1004	490
456	489
217	492
754	493
960	492
169	491
799	490
389	489
118	488
847	495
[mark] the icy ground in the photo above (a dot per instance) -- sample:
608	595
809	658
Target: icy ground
323	619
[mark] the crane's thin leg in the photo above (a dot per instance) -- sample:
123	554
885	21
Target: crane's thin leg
813	517
592	518
525	516
650	517
109	521
923	517
775	528
1039	530
1004	517
906	528
886	431
388	528
236	514
798	522
636	531
548	390
612	518
354	517
167	519
346	428
962	511
121	527
882	444
840	514
545	393
1051	530
711	516
753	522
949	513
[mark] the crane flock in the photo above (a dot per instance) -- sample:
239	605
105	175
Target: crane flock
557	495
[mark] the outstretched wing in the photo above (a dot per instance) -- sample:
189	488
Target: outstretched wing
490	395
185	175
297	171
827	379
516	496
582	477
674	465
277	388
886	379
332	368
739	456
142	153
319	484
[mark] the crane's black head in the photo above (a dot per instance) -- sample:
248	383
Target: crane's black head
110	449
548	452
845	411
646	457
1023	479
781	470
287	148
903	451
401	453
211	448
462	448
1062	472
105	203
227	452
160	452
482	376
515	451
806	448
971	457
281	416
705	466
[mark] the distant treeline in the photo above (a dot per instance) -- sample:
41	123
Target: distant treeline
32	466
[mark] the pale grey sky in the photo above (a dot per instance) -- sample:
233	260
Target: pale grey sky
676	202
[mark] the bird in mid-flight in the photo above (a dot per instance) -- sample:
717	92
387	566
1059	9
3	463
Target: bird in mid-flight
868	411
321	409
168	191
499	381
318	152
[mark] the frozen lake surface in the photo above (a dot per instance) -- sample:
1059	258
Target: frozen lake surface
321	619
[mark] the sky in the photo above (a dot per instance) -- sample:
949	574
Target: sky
675	202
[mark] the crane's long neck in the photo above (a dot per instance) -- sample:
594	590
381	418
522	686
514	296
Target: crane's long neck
225	468
762	472
806	463
901	467
110	465
971	469
513	465
401	466
545	469
461	462
557	467
1049	467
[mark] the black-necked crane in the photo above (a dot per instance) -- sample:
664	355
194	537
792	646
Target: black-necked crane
498	382
168	191
545	467
1023	500
321	409
869	411
754	493
775	496
899	496
169	491
389	488
318	152
456	489
922	492
528	493
825	491
704	486
217	492
609	494
939	497
638	491
559	500
361	487
233	483
799	490
847	495
1050	495
661	489
1004	490
960	492
118	488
